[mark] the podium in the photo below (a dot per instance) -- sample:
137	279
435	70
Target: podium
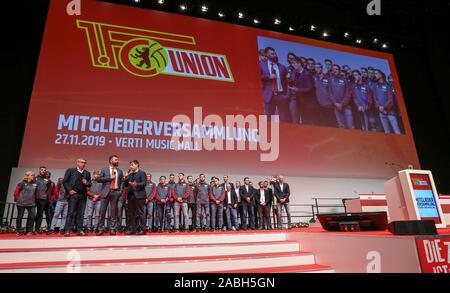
412	195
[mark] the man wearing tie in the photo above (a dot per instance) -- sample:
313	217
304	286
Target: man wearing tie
262	198
282	193
135	184
111	177
274	81
246	192
76	181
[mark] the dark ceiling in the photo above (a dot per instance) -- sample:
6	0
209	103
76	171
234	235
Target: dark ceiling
401	23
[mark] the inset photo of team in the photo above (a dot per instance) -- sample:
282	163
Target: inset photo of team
310	85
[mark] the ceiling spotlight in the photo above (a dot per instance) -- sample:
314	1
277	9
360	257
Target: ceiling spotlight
384	46
220	14
241	15
312	28
291	29
255	21
136	1
160	2
204	8
325	34
183	7
358	41
346	35
277	21
375	41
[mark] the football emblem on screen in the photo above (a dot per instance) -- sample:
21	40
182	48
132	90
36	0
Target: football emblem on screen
143	57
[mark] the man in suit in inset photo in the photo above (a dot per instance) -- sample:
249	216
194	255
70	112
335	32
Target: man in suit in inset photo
274	82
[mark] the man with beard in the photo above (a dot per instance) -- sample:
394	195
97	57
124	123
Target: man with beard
325	116
274	81
152	217
76	181
202	191
303	88
340	96
217	197
384	103
111	177
329	67
362	97
43	203
181	195
191	201
246	192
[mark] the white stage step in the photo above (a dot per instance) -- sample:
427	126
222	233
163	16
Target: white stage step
160	252
36	243
266	252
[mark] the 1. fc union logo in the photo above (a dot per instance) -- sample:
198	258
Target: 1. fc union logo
147	53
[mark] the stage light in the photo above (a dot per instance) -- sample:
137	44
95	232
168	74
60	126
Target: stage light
346	35
204	8
160	2
183	7
358	41
375	41
241	15
291	29
312	28
220	14
255	21
384	46
325	34
277	21
136	1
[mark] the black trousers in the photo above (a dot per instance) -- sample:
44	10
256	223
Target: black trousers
136	209
249	215
264	221
43	206
30	219
75	215
113	201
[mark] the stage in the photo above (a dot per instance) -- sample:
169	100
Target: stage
276	251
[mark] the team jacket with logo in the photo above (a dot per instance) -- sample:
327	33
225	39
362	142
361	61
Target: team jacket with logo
151	191
339	90
202	191
59	192
25	194
164	192
181	189
217	193
95	189
191	199
43	188
323	91
383	96
362	94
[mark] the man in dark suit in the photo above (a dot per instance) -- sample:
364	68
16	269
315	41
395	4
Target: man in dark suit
274	83
135	184
111	178
262	197
231	205
282	193
76	181
246	192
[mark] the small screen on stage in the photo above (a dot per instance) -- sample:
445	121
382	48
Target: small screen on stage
425	198
184	93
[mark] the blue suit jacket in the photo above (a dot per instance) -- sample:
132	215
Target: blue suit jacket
267	83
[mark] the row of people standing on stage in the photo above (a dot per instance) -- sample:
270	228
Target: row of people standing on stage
81	203
309	92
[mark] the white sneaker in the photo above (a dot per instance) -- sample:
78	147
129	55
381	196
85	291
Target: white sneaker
233	228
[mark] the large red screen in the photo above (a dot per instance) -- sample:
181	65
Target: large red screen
110	80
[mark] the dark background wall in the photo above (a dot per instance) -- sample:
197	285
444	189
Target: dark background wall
418	36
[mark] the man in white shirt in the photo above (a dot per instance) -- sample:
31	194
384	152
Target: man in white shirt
262	197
